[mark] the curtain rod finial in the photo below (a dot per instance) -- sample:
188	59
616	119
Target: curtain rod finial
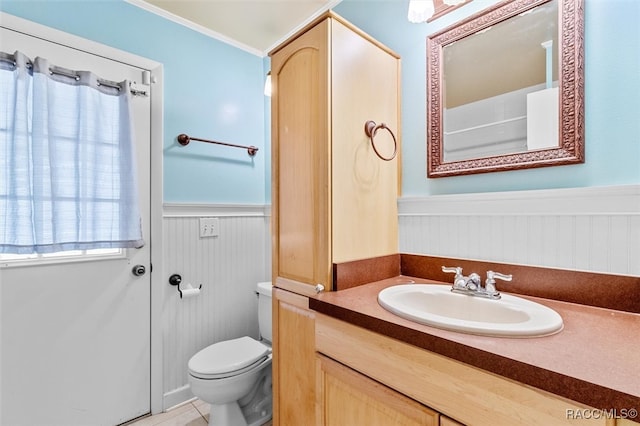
183	139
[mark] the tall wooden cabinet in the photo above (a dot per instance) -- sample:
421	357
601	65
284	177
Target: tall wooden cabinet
333	199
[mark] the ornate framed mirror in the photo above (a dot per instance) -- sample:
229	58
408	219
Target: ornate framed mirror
505	89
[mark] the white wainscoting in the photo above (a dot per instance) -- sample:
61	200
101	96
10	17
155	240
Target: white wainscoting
594	229
228	267
591	229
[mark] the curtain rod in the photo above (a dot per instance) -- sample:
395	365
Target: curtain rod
185	139
71	74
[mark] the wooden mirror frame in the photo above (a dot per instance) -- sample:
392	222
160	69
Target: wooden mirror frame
571	83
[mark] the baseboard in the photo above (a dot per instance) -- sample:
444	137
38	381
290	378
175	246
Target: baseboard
177	397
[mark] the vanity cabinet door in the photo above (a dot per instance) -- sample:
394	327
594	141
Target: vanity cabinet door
293	360
346	397
446	421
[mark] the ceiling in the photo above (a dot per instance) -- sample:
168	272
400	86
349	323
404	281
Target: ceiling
253	25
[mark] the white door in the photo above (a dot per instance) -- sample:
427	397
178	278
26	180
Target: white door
75	337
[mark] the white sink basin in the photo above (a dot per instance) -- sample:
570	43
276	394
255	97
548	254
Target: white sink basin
437	306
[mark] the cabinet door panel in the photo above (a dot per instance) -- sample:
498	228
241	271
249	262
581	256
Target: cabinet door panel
365	80
300	158
349	398
293	360
446	421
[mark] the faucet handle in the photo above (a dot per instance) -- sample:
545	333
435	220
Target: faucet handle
452	270
459	281
491	275
490	283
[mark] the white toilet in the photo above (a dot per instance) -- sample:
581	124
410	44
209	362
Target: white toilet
234	376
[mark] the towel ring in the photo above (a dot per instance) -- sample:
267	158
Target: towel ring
370	129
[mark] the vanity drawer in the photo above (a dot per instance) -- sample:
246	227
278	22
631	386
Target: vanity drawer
462	392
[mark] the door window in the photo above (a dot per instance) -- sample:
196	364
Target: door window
67	160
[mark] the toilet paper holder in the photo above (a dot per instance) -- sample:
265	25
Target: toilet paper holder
176	280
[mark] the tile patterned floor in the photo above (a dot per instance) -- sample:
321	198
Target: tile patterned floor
195	413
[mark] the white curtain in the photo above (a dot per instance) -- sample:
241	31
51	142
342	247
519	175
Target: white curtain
67	160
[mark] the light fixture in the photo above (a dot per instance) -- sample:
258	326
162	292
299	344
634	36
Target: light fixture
420	10
267	85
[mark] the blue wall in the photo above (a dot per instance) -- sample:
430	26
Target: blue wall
212	91
612	91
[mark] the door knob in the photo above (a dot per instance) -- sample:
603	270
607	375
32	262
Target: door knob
138	270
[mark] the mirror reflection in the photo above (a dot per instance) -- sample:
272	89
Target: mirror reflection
501	87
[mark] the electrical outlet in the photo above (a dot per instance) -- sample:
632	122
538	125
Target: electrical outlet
209	227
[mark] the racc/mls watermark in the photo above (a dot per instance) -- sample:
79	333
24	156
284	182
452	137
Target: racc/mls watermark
592	413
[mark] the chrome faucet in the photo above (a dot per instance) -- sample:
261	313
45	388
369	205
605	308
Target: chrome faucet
472	285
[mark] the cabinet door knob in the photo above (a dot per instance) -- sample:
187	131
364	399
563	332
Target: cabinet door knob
319	288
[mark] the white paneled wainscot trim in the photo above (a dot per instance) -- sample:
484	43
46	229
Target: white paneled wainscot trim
592	229
228	267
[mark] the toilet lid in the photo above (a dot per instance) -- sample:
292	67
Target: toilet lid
222	358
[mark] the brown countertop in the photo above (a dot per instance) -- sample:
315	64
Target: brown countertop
594	360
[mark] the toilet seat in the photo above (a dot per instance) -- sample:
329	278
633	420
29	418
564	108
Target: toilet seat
228	358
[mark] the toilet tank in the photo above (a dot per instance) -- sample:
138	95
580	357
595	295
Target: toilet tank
264	310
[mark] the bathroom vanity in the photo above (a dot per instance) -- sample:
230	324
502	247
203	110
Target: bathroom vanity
376	367
485	380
